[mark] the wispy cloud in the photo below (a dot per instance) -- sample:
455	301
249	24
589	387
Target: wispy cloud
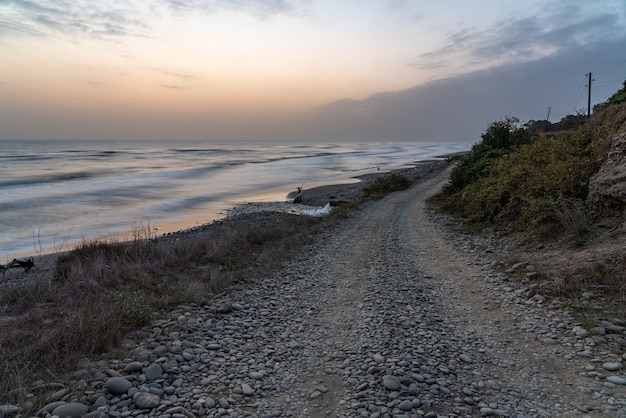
521	39
263	9
176	74
173	87
114	20
71	20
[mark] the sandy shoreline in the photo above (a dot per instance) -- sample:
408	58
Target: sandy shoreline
314	197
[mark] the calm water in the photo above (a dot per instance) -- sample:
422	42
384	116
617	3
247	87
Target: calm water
54	193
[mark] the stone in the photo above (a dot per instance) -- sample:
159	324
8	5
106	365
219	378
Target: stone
225	308
465	358
598	330
154	372
133	367
118	385
247	389
617	380
406	405
97	414
145	400
391	383
612	366
73	410
51	406
487	412
581	332
57	396
7	411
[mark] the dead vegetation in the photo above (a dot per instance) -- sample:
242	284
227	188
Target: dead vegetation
102	290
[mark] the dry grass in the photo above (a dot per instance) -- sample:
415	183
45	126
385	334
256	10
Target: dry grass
102	290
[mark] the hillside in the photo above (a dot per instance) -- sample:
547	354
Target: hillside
557	202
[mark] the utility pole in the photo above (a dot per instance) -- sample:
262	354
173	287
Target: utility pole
589	96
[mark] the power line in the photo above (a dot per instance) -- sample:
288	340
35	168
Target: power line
612	68
607	82
569	106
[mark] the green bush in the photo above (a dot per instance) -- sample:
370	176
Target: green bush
499	139
617	98
385	185
518	182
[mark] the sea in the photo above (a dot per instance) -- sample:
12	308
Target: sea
57	193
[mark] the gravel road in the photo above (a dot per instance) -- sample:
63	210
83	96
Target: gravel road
390	315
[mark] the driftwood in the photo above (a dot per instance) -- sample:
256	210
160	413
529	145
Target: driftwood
298	198
17	264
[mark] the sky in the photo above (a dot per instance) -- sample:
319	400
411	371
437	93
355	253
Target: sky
300	70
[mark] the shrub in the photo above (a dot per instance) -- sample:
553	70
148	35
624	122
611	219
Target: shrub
499	139
385	185
518	182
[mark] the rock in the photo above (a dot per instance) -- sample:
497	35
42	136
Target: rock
57	396
612	366
145	400
225	308
118	385
391	382
487	412
614	329
316	394
598	330
256	375
213	346
7	411
465	358
154	372
133	367
141	354
50	407
73	410
97	414
406	405
247	390
617	380
580	332
518	266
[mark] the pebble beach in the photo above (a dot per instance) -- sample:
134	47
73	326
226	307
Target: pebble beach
391	315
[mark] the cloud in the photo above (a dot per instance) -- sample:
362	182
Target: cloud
459	108
176	74
71	20
521	39
173	87
263	9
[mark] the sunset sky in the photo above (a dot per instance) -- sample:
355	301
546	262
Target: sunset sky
310	70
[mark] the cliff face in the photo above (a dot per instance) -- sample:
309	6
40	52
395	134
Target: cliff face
607	189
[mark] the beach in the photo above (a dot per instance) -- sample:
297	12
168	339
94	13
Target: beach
390	313
55	194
